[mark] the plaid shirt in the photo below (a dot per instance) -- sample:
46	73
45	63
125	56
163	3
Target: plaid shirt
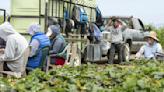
2	43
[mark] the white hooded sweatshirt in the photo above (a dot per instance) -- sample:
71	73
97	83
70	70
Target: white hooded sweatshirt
15	44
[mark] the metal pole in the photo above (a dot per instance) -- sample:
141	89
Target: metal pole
91	16
4	15
45	29
56	8
52	7
63	18
63	9
59	9
39	12
70	9
67	10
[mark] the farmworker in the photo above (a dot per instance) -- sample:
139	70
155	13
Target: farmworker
38	41
58	44
150	48
116	33
15	45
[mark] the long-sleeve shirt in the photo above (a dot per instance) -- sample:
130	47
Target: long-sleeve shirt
35	45
149	51
2	43
116	33
56	46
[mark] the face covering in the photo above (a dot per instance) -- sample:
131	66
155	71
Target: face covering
150	42
116	25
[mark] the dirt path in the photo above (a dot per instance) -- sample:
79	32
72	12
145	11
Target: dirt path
105	60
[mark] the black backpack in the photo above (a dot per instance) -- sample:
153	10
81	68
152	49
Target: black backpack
61	22
159	56
68	26
91	33
99	18
52	21
76	16
83	28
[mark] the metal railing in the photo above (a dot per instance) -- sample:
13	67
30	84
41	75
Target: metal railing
69	4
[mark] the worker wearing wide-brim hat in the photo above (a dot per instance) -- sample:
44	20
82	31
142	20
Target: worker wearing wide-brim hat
151	47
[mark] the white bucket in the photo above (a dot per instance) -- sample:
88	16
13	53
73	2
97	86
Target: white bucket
106	35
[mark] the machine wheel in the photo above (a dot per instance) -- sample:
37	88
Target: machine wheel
126	53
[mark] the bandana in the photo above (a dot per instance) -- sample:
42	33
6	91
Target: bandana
116	25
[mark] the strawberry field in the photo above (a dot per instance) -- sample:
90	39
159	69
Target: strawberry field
135	76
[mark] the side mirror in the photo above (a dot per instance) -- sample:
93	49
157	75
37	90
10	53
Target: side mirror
148	29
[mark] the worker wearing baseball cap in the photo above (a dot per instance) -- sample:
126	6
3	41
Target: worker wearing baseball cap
58	44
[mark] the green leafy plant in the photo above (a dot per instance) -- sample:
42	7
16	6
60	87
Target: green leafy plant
136	76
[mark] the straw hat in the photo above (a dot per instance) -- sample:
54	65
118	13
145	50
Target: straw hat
152	34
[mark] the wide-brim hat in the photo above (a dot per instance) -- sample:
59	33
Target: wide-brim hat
152	34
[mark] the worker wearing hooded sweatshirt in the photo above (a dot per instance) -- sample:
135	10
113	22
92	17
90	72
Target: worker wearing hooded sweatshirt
58	44
15	45
38	41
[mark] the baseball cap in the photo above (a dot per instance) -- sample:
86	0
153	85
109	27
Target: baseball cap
49	32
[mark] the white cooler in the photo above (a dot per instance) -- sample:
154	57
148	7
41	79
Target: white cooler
106	35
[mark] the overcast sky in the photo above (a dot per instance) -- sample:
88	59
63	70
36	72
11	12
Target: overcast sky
149	11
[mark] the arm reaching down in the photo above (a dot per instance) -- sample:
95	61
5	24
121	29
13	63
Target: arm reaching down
56	46
35	45
140	52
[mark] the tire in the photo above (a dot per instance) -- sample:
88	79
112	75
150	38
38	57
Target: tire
126	53
77	60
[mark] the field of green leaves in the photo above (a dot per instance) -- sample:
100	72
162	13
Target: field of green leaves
135	76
